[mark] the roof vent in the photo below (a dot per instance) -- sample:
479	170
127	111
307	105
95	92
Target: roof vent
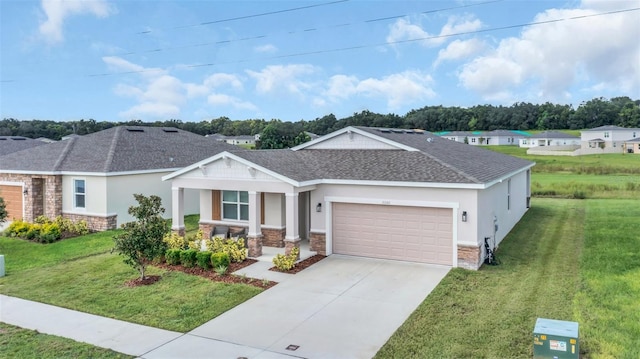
2	139
429	139
18	138
384	130
395	130
135	129
170	129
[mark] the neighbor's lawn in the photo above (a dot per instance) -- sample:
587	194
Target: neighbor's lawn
585	186
73	276
568	260
28	344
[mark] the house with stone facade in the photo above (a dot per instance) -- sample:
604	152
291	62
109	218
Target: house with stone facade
94	177
385	193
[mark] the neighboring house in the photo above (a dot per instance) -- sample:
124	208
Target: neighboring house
632	146
492	138
216	137
10	144
607	139
373	192
70	136
550	138
45	140
240	140
94	177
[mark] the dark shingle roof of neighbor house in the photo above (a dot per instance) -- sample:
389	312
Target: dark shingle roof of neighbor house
438	161
118	149
611	128
554	134
10	144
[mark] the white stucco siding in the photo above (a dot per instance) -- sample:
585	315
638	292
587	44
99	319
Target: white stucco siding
121	189
352	141
95	195
227	169
494	202
274	210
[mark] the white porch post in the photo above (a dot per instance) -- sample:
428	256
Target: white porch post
254	237
177	210
292	237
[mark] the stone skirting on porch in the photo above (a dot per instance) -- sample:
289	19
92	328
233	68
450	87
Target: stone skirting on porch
273	237
469	257
95	223
318	243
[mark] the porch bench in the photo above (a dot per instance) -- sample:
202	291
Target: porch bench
220	231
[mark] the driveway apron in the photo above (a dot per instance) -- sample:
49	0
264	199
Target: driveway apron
341	307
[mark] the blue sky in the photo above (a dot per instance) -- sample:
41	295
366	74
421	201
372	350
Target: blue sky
293	60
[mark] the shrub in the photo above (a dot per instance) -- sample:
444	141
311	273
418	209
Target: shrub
204	259
221	270
18	228
49	232
286	262
188	257
33	231
219	259
175	241
172	256
234	248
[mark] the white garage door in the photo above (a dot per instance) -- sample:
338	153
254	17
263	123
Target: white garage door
12	196
415	234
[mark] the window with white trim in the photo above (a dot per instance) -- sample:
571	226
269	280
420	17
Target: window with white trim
235	205
606	135
79	193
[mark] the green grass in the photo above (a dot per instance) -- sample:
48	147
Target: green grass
568	185
28	344
568	260
80	274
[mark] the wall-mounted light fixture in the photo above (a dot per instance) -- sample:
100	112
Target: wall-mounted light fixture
464	216
25	192
319	207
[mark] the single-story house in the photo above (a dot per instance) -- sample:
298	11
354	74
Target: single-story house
94	177
492	138
550	138
240	140
608	139
10	144
375	192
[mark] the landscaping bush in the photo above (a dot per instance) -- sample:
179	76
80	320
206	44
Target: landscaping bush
49	233
286	262
188	257
175	241
220	259
172	256
204	259
234	248
44	230
17	228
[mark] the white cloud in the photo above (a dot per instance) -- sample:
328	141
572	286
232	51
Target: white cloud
282	78
226	100
547	60
266	49
460	49
397	90
404	30
56	12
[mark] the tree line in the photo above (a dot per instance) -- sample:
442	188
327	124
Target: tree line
619	111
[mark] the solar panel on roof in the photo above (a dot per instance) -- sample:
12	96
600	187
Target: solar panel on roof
395	130
135	129
18	138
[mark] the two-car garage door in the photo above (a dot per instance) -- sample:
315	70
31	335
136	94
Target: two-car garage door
415	234
12	196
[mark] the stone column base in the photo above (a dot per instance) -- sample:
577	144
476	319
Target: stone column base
469	257
180	231
318	243
206	228
288	246
254	243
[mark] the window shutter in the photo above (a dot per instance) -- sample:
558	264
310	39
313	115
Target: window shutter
215	202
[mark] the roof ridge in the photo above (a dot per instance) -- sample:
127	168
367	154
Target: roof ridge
65	152
112	148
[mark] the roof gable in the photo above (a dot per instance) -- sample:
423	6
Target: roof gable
352	138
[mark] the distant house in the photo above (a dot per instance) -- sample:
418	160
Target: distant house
632	146
491	138
234	140
216	137
549	138
606	139
94	177
10	144
70	136
45	140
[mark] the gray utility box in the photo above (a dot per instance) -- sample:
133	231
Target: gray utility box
555	339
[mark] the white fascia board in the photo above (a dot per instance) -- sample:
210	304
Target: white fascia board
397	184
507	176
358	131
388	202
19	172
88	174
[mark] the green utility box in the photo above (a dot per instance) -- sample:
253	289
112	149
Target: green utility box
555	339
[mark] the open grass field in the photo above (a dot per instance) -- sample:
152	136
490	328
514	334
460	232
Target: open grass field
28	344
568	260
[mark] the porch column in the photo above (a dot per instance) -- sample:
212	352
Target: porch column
177	210
292	237
254	236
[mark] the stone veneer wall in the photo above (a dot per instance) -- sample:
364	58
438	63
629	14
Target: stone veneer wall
273	237
95	223
34	206
469	257
318	243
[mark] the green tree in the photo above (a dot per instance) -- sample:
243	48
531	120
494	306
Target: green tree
141	241
3	211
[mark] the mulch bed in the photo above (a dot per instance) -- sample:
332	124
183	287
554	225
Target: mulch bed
227	278
301	265
147	280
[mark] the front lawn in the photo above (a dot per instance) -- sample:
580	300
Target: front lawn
28	344
80	274
568	260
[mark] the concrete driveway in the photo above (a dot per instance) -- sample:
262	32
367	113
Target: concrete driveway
341	307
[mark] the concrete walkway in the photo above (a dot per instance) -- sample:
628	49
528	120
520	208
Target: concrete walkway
341	307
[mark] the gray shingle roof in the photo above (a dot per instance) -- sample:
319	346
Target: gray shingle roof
10	144
118	149
610	128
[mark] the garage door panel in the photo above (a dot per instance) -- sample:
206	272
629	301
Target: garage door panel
393	232
12	196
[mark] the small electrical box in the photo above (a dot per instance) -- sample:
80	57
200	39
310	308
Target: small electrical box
555	339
